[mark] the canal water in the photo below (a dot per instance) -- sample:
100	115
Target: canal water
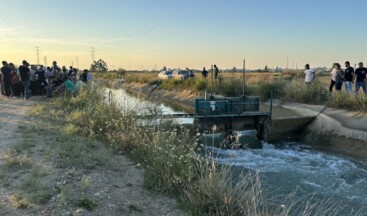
290	167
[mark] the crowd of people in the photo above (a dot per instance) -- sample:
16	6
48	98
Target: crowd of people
29	80
339	77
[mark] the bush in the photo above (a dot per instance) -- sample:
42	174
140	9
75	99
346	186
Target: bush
264	89
349	102
230	87
314	93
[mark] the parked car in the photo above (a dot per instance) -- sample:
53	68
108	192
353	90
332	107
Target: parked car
181	74
165	75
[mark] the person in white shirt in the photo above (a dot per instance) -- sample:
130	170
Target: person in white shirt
310	74
333	77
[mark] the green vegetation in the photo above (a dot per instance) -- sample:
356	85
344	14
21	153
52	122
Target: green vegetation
87	203
170	160
109	75
141	77
19	202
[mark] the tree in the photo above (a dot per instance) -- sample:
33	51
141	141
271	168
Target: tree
99	66
234	69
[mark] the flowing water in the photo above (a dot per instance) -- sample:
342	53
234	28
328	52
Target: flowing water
292	167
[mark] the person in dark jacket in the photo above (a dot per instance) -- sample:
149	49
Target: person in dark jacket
41	80
6	72
348	77
216	72
204	73
25	74
361	73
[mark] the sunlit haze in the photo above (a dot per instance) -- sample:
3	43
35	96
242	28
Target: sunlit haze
147	34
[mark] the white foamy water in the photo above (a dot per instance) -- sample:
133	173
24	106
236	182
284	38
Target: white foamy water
297	167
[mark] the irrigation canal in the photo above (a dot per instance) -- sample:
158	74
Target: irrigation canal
288	167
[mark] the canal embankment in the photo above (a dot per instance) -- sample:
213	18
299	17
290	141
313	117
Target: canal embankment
329	129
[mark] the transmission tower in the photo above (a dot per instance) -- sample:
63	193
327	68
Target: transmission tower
93	51
38	54
45	61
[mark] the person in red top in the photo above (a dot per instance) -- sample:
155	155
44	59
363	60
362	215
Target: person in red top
15	79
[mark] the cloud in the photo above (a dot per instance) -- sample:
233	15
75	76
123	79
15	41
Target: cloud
7	29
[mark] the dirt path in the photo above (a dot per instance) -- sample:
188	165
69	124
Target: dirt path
11	114
44	172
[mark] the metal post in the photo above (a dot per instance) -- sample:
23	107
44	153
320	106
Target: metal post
110	97
271	104
244	77
212	82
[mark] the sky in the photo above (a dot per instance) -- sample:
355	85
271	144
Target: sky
149	34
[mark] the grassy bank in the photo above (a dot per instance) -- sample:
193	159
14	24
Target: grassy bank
283	89
171	161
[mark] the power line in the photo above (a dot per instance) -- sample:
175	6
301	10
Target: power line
156	25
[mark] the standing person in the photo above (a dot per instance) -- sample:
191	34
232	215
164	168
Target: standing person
339	77
332	77
64	70
41	80
71	69
310	74
216	72
54	70
361	78
15	80
33	79
6	71
1	85
204	73
348	77
74	74
25	74
192	74
48	72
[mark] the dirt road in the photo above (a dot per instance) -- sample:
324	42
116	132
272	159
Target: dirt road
43	172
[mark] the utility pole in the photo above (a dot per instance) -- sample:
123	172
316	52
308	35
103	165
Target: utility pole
38	54
45	61
77	62
293	65
287	62
93	51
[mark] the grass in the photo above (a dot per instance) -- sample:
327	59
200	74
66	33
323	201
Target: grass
109	75
169	158
133	208
141	77
87	203
65	194
16	162
19	202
